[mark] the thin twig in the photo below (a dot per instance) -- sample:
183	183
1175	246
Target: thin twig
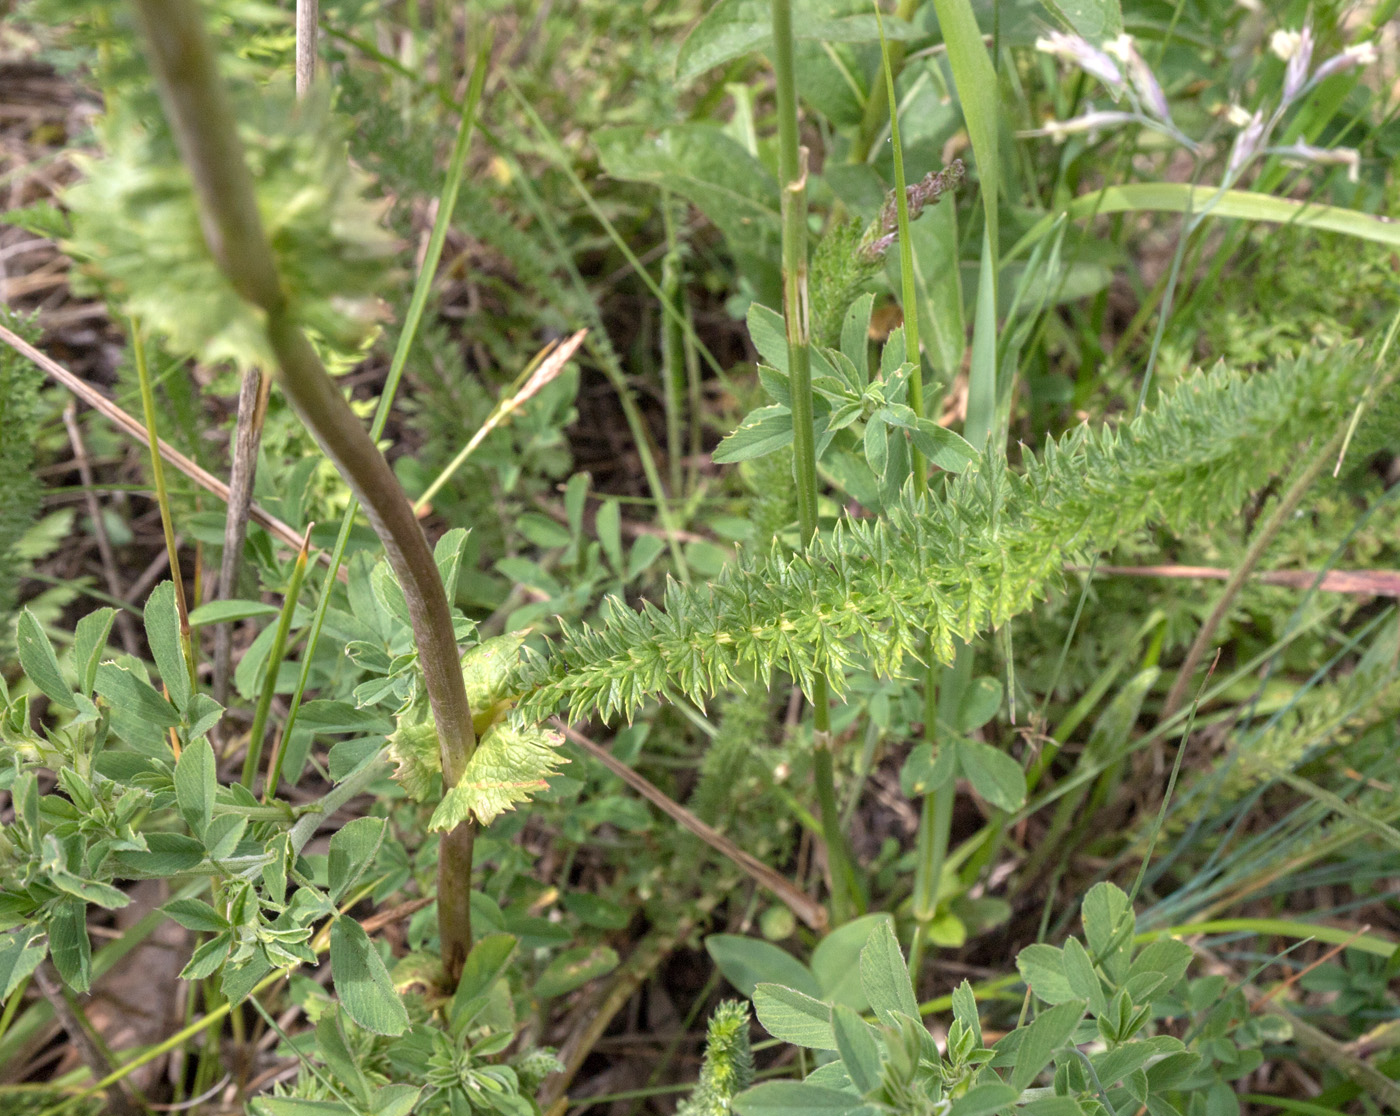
802	905
125	626
80	1033
135	429
308	20
1372	583
247	433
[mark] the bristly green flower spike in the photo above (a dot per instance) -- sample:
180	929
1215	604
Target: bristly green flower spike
728	1067
945	567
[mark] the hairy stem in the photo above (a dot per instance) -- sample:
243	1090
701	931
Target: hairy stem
202	119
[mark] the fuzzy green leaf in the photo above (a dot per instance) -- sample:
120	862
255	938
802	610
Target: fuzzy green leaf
413	749
163	634
40	663
789	1015
509	765
362	982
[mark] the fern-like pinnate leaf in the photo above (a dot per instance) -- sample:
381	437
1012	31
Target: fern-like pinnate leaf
728	1067
951	565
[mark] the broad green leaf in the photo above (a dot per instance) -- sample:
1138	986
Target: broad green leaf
764	430
1083	978
1093	20
1042	967
983	1100
993	774
644	552
794	1017
768	333
574	968
485	965
396	1100
197	915
166	854
1108	928
608	526
163	634
196	781
714	172
20	953
486	670
89	641
979	703
732	28
855	1042
69	945
1113	1065
1049	1031
413	748
965	1011
836	962
1167	958
222	612
134	698
855	336
340	716
238	982
796	1098
39	662
447	555
885	976
353	848
926	769
509	766
208	956
747	962
362	982
388	592
943	447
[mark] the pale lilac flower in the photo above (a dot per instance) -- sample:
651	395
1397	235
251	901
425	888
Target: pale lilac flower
1246	145
1144	81
1295	74
1347	157
1358	54
1078	52
1059	130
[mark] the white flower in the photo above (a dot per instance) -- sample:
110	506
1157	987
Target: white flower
1238	116
1285	43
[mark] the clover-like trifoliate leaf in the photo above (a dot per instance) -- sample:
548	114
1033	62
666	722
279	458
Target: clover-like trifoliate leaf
509	765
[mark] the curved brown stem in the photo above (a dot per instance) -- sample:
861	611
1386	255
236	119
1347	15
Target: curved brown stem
202	119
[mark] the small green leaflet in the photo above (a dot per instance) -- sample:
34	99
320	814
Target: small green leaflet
509	765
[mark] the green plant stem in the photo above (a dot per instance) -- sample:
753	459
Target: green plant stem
253	758
205	130
792	174
148	407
